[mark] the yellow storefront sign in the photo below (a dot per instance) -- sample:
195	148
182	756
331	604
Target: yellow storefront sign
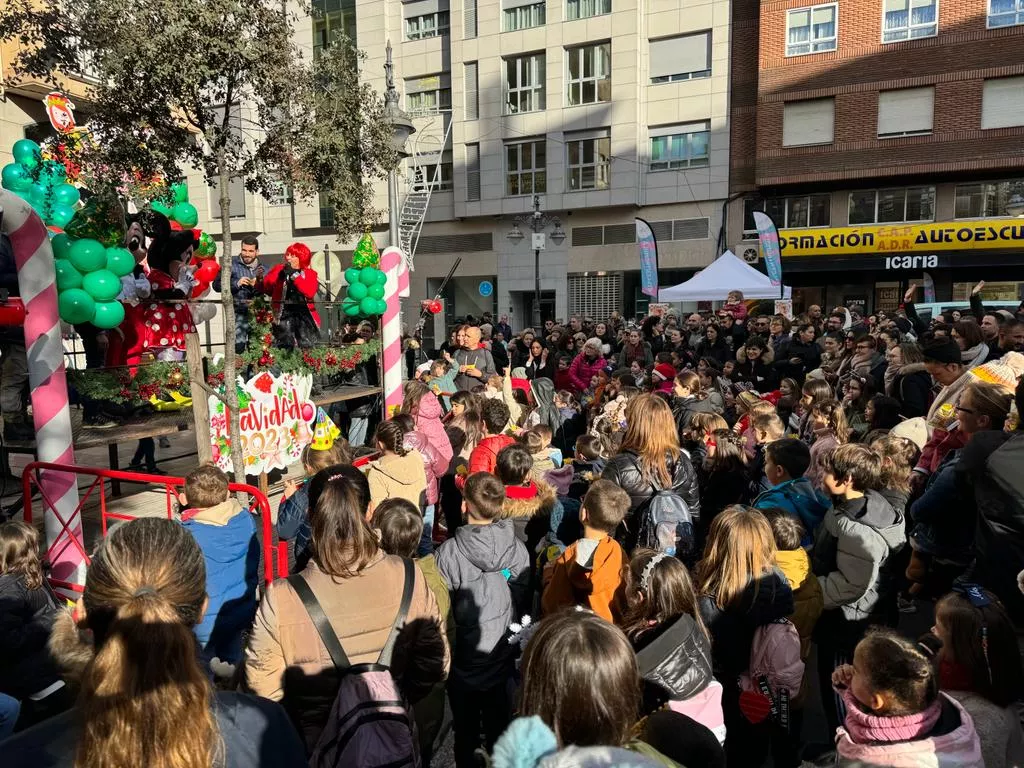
903	238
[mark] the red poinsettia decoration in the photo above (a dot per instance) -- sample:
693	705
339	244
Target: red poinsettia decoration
264	381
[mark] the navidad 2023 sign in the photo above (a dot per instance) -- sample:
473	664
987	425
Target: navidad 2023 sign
276	419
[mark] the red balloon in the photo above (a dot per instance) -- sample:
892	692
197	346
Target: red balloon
435	307
175	226
200	289
208	271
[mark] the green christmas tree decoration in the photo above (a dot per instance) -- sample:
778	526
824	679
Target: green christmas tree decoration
366	253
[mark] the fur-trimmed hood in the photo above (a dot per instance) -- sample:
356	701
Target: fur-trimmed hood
525	501
71	648
767	357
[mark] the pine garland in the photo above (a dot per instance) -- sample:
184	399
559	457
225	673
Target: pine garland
119	386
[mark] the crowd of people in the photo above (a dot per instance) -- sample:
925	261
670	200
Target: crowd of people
594	544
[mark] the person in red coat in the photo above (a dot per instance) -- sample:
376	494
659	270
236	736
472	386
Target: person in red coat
292	286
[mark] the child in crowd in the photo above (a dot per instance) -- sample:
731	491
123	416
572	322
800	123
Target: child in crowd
486	568
531	505
723	476
495	417
398	473
696	439
766	427
588	465
435	466
226	533
398	524
27	672
663	623
828	423
852	548
814	391
895	714
793	561
533	441
547	435
898	458
786	461
985	677
735	306
442	381
589	572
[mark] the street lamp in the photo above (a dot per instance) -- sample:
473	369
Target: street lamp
537	222
403	129
1015	206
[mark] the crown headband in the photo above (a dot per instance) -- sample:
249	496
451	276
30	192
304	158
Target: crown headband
645	577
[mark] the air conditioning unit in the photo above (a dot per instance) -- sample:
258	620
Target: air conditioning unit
749	251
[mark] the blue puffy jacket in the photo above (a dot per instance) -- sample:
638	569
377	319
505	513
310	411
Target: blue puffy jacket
799	498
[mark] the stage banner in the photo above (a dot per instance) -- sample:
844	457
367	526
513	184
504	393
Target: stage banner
648	258
276	415
768	236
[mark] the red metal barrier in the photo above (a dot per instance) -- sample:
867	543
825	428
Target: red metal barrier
258	504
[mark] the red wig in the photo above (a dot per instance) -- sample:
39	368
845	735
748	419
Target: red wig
300	251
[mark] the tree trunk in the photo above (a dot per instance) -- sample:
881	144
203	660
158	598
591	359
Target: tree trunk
228	304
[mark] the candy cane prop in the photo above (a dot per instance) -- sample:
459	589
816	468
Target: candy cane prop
392	263
37	283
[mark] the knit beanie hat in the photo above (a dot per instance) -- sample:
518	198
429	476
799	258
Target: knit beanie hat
1004	372
943	351
664	372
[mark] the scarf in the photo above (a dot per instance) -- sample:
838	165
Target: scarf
634	352
865	727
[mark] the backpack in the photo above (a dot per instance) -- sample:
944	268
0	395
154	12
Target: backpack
666	524
775	674
371	723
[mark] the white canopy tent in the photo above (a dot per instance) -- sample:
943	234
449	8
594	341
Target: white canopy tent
726	273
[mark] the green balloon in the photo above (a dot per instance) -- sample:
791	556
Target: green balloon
102	285
38	193
382	307
52	174
185	214
357	291
377	291
120	261
88	255
368	306
382	277
161	207
61	245
66	194
368	275
76	306
28	153
351	275
351	309
60	215
15	177
109	314
180	191
67	276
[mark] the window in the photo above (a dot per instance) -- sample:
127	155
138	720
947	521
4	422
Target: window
469	20
790	212
525	168
886	206
429	25
280	195
472	172
584	9
681	58
428	95
909	19
1005	13
429	175
588	157
680	146
331	20
472	90
524	83
590	74
522	14
808	122
1002	102
906	112
985	200
811	30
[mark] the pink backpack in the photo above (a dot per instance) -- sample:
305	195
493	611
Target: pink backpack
775	674
370	723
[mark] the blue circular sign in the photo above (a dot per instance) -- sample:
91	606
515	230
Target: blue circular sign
486	289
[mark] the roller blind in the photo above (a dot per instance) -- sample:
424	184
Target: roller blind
507	4
472	172
680	55
472	87
1002	103
469	19
808	122
423	7
906	112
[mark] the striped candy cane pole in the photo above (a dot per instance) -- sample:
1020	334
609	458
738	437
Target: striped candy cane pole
37	283
392	263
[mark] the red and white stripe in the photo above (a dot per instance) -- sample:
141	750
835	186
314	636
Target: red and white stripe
37	283
392	263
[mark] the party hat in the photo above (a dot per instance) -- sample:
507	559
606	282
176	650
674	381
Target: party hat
325	432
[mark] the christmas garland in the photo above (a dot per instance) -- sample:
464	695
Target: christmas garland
119	386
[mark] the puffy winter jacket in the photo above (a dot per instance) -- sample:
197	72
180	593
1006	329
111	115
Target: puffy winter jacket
26	618
624	470
588	573
799	498
807	599
428	421
434	467
400	477
913	388
674	659
583	369
683	409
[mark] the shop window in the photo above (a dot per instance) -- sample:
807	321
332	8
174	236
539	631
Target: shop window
812	30
789	212
886	206
986	199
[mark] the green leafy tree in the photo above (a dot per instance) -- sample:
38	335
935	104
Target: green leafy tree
218	85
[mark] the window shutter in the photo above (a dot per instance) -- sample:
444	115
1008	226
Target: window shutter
808	122
906	111
509	4
423	7
679	55
1002	103
472	172
469	19
472	87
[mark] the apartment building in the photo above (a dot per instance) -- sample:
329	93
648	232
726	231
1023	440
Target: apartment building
884	138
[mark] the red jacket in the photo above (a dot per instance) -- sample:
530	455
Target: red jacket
484	457
306	281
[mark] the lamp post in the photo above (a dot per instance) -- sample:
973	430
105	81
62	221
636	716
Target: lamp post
403	129
537	222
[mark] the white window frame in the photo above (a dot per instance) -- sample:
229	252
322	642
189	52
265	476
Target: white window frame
683	139
521	172
281	196
597	78
421	173
878	193
442	98
1017	13
536	66
441	26
602	170
811	42
529	12
597	6
910	27
679	77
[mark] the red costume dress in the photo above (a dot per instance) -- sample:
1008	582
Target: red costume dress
292	292
166	322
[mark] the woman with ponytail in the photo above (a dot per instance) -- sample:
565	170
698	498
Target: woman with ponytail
399	472
145	700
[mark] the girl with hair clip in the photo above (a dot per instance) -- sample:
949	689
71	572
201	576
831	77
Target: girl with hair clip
145	699
695	439
895	713
672	645
740	590
398	473
828	420
986	676
723	475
